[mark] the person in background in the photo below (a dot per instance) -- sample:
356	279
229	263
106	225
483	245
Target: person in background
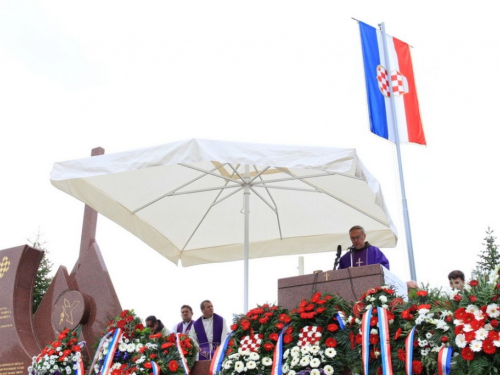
361	253
186	326
210	330
457	279
156	326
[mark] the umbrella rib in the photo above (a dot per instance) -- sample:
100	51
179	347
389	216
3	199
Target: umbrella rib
271	197
326	174
214	202
202	190
211	173
258	174
288	188
171	192
320	190
264	200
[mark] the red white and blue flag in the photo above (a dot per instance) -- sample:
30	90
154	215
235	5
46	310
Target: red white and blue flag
402	81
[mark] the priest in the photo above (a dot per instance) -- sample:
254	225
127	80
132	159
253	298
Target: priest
211	329
361	253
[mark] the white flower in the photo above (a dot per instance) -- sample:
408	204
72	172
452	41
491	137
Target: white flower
422	343
254	356
140	360
234	356
295	352
424	352
373	331
304	361
481	334
472	308
330	352
385	306
467	328
315	363
138	346
467	287
488	327
492	310
460	340
286	354
496	343
441	324
285	368
428	335
476	345
116	365
368	307
315	371
314	349
122	347
126	341
357	320
251	365
295	362
131	348
266	361
328	370
291	372
382	299
239	366
228	364
243	351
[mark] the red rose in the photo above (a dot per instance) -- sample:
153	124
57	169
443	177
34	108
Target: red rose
422	293
449	319
417	367
129	318
467	354
472	298
124	313
494	323
173	366
444	339
331	342
473	283
457	298
121	324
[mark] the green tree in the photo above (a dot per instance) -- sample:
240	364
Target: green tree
43	280
489	257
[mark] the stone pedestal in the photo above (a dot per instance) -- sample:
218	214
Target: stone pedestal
350	284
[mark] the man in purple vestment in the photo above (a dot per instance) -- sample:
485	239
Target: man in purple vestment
210	330
186	326
361	253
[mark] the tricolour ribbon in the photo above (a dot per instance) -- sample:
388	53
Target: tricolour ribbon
155	368
340	319
444	360
98	350
277	368
80	369
108	360
218	357
385	340
181	353
409	351
365	339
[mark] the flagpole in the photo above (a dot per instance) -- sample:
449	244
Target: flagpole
406	217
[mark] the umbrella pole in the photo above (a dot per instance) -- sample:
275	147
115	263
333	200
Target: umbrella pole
246	236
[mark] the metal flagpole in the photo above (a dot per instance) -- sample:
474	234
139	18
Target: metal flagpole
246	235
409	242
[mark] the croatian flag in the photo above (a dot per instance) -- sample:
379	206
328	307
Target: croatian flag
402	80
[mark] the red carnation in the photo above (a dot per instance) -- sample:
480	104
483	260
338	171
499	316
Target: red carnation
268	346
489	347
416	367
245	324
472	298
321	302
359	339
287	339
229	351
444	339
320	310
422	293
332	327
401	355
173	366
124	313
309	307
316	297
398	333
449	319
457	298
273	336
148	365
331	342
373	321
234	327
473	283
284	318
264	320
467	354
374	339
494	323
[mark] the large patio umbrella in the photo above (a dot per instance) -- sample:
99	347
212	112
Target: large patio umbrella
206	201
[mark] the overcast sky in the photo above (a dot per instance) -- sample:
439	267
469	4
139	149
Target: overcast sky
124	75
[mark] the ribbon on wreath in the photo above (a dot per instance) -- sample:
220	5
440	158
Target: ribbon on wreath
409	351
444	360
218	357
277	368
365	340
181	353
385	340
80	368
155	368
98	350
108	359
340	319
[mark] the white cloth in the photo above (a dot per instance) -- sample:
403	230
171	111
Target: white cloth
208	324
191	334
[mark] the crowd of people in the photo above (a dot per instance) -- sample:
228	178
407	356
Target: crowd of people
207	331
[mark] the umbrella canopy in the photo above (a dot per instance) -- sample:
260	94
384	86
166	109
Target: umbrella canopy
198	201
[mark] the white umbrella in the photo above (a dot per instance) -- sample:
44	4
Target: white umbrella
190	200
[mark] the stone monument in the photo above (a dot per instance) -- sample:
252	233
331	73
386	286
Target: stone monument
86	297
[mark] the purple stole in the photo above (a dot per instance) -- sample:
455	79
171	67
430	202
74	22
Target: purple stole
188	328
202	336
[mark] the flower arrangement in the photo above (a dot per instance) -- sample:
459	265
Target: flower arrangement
254	339
476	326
317	327
128	348
60	357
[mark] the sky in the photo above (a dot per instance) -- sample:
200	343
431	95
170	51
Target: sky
124	75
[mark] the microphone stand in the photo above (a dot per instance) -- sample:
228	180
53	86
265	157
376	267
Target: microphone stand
337	258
